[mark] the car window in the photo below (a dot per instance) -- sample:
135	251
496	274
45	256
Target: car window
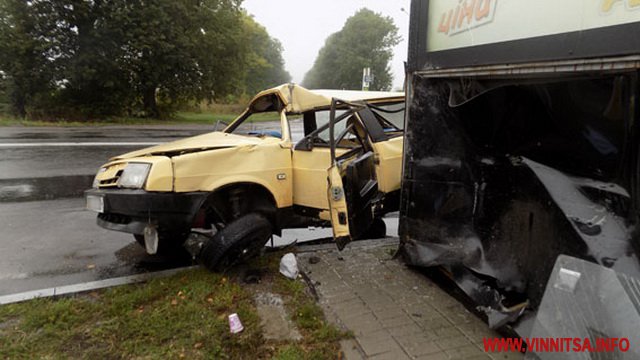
260	124
262	119
322	119
392	115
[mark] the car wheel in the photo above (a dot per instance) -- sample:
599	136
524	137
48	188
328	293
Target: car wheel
377	230
239	241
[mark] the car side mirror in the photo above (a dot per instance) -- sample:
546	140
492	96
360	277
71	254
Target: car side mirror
306	144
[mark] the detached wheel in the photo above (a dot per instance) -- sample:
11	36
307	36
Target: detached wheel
239	241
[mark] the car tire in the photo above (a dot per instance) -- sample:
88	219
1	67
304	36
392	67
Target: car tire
377	230
239	241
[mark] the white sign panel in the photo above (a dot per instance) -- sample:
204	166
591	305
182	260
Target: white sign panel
456	24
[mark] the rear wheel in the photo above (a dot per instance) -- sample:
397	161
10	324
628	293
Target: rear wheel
240	240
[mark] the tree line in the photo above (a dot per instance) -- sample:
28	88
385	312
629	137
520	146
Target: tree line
98	58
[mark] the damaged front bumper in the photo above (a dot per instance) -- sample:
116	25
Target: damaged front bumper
131	211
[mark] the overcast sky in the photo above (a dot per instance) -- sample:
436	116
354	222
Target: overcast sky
302	26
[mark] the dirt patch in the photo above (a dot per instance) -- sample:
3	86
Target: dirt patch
275	321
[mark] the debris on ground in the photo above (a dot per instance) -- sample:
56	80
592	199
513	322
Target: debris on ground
289	266
235	326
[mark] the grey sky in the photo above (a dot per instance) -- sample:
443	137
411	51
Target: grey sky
303	25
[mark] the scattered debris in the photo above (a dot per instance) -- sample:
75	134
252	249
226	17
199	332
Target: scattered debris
235	326
314	260
289	266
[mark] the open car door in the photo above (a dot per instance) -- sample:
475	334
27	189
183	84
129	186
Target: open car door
352	183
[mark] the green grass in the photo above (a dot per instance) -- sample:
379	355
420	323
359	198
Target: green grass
184	316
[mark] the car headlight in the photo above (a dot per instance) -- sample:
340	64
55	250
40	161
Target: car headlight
134	176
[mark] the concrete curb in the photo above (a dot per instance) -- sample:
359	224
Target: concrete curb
88	286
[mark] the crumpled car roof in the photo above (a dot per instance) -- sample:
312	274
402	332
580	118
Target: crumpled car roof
298	99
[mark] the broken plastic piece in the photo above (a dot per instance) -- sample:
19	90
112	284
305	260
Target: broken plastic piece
289	266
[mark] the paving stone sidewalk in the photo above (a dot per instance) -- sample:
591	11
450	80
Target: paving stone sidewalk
393	311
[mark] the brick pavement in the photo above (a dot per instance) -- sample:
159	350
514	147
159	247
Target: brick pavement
394	312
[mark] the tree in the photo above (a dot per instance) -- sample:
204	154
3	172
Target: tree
183	50
97	58
23	62
264	63
366	40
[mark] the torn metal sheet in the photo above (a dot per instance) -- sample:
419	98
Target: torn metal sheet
502	175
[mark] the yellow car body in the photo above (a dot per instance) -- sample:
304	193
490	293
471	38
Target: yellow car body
166	186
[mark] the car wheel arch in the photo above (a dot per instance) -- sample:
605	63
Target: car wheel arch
234	200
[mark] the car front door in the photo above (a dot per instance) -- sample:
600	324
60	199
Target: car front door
352	182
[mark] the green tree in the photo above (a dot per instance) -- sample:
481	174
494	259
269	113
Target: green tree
96	58
183	50
264	62
366	40
86	50
23	54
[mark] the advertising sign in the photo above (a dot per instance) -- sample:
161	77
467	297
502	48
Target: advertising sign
522	30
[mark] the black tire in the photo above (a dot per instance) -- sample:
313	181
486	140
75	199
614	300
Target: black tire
239	241
377	230
169	245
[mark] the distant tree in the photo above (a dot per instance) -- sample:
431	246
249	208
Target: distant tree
264	62
366	40
23	54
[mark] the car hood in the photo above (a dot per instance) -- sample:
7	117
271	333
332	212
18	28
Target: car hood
210	141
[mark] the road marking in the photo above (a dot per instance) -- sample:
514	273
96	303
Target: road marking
88	286
74	144
19	276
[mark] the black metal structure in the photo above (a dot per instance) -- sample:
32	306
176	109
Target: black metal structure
504	171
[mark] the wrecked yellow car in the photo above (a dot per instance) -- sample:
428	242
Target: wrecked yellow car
223	194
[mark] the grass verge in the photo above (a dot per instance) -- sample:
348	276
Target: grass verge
184	316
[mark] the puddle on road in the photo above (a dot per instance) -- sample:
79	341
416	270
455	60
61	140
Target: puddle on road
50	188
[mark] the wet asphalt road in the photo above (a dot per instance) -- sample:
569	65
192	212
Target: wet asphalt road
47	238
